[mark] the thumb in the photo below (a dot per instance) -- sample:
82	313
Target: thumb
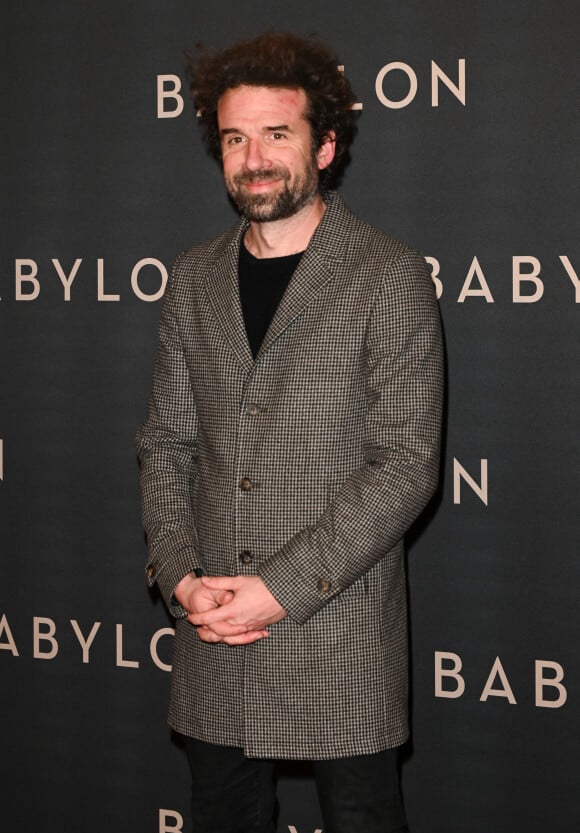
222	597
220	582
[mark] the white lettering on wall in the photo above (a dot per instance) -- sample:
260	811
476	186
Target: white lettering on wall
168	90
148	261
475	271
27	284
46	645
40	636
170	102
380	80
572	275
170	821
531	277
548	675
527	287
65	279
23	277
459	474
10	644
85	643
153	647
524	270
121	662
553	681
452	673
505	690
101	294
437	76
459	90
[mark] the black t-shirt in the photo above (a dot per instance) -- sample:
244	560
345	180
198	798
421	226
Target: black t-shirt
263	282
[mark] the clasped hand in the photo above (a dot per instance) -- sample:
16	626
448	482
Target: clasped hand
235	610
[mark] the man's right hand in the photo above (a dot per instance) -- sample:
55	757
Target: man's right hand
194	597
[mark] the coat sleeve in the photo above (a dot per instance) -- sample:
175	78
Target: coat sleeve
378	503
166	448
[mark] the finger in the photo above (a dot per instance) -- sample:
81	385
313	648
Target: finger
221	582
217	598
222	597
207	635
223	613
245	638
227	629
221	628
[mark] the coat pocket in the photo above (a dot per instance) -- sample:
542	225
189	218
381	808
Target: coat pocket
355	590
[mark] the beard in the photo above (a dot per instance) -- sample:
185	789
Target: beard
264	208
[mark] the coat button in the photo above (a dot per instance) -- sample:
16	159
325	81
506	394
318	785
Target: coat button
150	571
324	585
245	484
246	557
253	409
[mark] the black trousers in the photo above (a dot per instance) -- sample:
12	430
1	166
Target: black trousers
235	794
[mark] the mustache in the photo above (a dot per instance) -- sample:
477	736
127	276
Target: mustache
265	175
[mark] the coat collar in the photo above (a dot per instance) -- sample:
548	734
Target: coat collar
317	266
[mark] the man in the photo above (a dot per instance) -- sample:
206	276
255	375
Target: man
291	440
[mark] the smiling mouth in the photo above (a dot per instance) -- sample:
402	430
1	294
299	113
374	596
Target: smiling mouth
259	179
260	183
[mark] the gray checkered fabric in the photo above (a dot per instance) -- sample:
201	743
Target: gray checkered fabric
314	460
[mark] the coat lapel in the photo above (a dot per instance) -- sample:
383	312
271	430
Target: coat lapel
223	290
307	281
317	266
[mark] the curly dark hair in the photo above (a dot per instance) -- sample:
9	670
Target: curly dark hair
282	60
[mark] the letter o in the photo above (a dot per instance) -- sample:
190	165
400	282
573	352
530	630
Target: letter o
148	261
153	647
410	73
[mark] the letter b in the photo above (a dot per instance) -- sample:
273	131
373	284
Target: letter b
167	816
173	92
41	635
554	681
452	672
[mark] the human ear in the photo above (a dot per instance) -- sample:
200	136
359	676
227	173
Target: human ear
325	153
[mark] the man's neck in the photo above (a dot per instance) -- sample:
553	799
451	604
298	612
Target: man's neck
285	237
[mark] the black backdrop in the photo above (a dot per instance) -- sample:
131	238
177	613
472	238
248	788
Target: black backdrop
103	185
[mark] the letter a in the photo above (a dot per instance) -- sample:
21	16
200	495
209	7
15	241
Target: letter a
506	691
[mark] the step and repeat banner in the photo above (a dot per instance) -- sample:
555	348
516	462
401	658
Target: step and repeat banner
467	149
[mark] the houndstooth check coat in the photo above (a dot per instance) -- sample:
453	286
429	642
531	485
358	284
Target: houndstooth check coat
305	466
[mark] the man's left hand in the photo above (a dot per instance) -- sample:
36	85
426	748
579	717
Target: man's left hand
252	604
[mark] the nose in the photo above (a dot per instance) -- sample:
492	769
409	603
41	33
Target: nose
255	158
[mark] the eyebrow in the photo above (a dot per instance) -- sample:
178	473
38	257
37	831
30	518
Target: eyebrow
229	130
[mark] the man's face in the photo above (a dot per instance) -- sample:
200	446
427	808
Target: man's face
270	169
